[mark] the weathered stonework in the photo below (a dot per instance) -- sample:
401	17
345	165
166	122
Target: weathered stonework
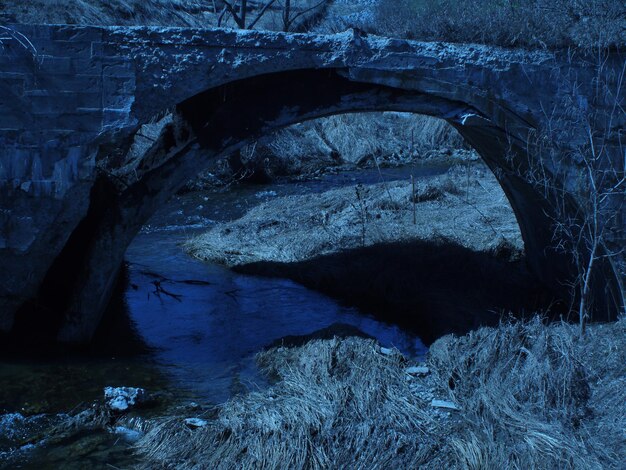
71	99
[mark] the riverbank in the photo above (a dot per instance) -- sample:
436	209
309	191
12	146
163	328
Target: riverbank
522	395
466	206
446	260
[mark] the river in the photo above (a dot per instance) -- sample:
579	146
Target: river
195	329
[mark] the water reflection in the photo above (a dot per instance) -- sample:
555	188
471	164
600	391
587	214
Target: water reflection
206	338
176	325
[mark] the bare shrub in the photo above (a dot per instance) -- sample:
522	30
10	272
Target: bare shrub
534	23
583	183
357	137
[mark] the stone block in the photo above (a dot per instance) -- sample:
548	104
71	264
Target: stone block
86	66
77	34
12	121
33	32
63	102
81	120
82	99
86	83
12	88
17	61
66	49
11	75
53	65
118	92
97	49
113	101
113	117
119	70
107	50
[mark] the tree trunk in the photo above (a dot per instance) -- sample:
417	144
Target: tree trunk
242	13
287	16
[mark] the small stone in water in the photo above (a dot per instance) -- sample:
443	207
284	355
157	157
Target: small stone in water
194	423
123	398
386	351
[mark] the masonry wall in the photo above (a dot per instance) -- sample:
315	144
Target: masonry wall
70	94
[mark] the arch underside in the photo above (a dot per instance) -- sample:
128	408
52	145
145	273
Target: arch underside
224	119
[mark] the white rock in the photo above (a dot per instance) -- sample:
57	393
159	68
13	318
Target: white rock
194	423
418	370
444	404
123	398
386	351
129	435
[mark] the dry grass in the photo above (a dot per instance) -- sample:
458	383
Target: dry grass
531	397
471	210
537	396
359	136
361	139
183	13
186	13
338	404
528	23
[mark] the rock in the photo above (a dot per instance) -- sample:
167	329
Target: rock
120	399
418	370
195	423
129	435
444	404
392	352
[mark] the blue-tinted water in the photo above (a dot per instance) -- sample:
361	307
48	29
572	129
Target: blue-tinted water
202	329
205	338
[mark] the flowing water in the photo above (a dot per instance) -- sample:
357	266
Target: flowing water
196	328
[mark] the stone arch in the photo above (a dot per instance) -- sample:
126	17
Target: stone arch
224	118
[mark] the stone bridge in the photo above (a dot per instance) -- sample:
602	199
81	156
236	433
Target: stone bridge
77	180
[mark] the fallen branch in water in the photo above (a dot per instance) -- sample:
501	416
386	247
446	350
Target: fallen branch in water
160	290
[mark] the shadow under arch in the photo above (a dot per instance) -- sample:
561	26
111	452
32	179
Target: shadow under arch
222	120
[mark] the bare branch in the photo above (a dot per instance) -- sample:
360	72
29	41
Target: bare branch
304	12
261	13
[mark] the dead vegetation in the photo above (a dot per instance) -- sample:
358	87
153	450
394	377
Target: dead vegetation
466	205
587	25
529	396
338	404
536	396
271	15
185	13
347	141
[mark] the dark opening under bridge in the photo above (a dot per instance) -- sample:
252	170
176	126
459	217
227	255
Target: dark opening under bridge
75	186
